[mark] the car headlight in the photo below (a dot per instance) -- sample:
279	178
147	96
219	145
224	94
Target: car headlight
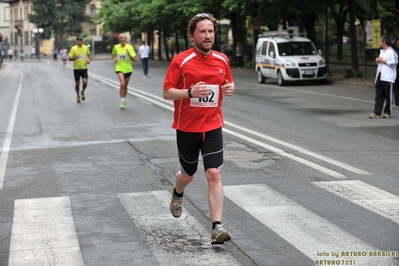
290	64
322	62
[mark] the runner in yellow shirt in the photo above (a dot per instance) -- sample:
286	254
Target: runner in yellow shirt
123	55
81	56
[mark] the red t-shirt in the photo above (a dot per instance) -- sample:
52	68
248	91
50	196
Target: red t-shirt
188	68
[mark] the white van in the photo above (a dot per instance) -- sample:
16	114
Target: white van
285	57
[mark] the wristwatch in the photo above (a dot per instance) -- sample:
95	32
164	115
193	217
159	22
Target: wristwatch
189	93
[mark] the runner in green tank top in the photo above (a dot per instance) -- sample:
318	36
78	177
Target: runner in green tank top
123	55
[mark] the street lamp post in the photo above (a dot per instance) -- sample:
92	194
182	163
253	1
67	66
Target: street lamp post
37	32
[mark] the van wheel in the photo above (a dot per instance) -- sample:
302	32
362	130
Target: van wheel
280	80
261	78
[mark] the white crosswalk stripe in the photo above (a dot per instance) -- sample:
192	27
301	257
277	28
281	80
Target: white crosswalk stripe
43	233
366	196
303	229
171	240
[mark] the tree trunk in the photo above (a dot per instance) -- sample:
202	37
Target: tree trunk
308	21
160	44
340	35
238	29
354	60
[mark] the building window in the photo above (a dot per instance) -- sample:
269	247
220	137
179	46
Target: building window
26	37
16	38
92	10
6	14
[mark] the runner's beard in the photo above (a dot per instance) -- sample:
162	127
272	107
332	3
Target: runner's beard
204	47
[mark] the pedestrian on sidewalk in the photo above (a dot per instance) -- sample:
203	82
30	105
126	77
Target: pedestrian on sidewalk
196	81
55	54
144	52
81	57
385	78
123	55
9	52
239	55
21	54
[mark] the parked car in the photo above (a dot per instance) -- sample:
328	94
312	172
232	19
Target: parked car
286	57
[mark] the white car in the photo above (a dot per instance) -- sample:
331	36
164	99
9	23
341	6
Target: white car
288	58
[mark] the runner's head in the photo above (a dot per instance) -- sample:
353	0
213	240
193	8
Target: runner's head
79	40
201	30
123	38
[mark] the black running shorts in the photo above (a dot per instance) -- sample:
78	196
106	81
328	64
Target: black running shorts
209	143
126	75
80	73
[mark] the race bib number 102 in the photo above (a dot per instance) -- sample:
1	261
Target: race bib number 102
210	101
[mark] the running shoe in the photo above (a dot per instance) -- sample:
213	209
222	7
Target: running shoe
220	235
122	105
176	205
373	115
82	94
78	99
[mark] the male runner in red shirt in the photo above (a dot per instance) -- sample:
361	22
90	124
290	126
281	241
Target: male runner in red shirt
196	81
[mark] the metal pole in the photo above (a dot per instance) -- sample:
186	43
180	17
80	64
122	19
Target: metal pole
92	45
20	49
37	46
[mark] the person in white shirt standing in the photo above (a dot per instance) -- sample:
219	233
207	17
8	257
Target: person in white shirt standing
144	52
385	78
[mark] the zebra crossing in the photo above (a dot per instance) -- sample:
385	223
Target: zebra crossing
43	233
43	230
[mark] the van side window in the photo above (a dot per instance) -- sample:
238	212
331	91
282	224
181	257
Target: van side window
272	48
264	47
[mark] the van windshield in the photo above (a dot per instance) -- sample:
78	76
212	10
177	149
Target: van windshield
296	48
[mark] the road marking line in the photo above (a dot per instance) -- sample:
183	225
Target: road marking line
301	150
364	195
287	155
303	229
172	241
7	141
43	233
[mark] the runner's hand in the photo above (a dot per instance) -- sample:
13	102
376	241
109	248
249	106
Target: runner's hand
228	88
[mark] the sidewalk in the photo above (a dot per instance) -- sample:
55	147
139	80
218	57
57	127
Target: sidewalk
336	74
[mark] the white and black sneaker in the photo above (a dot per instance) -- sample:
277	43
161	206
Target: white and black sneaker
220	235
176	205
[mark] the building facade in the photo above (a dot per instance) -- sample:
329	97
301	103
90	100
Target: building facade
20	32
4	24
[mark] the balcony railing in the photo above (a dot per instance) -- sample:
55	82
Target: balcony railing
18	23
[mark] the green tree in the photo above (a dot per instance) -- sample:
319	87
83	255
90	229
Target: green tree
118	15
389	14
59	16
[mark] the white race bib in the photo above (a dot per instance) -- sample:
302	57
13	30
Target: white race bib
211	101
122	56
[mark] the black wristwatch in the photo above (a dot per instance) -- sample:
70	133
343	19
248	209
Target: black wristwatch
189	93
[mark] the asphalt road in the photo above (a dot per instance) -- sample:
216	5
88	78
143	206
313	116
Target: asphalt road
309	178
